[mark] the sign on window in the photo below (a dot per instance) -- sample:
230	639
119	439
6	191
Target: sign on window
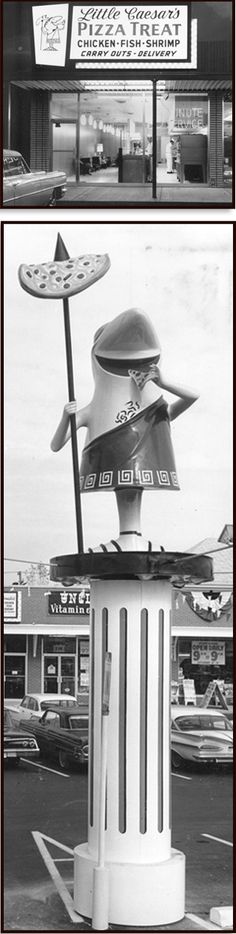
12	607
208	653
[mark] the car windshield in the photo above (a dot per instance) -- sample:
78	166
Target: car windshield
14	165
56	701
207	722
76	723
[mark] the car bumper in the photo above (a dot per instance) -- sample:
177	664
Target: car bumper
29	753
203	757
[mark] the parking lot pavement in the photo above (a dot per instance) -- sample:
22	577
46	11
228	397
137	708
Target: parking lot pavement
56	809
41	909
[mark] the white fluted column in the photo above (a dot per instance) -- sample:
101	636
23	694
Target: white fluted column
131	619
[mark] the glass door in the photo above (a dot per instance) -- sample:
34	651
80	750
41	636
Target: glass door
64	150
67	675
59	674
51	674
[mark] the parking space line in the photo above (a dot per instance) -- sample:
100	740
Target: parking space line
55	875
186	778
218	839
38	765
205	925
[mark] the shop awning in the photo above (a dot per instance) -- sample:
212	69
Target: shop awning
204	632
179	86
49	629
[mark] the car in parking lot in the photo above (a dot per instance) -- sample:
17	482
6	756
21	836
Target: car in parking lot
62	733
33	705
17	742
24	188
200	734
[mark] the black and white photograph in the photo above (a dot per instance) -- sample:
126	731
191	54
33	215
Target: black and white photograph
113	105
118	620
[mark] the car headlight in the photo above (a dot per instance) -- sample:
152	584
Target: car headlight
77	751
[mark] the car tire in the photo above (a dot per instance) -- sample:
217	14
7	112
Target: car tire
62	759
53	199
176	760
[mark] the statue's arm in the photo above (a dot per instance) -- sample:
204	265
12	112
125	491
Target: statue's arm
63	431
152	372
186	398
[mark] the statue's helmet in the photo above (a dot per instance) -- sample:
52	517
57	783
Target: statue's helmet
129	337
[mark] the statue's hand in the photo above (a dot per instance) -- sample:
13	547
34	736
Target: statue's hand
148	372
70	408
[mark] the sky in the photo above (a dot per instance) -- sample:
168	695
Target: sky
181	276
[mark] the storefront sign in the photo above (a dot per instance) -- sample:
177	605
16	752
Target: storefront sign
189	691
50	33
208	653
72	603
191	114
12	607
130	33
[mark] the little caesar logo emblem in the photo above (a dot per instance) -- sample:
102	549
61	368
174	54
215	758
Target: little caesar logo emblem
130	32
50	33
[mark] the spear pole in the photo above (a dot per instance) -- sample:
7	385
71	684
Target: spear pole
61	254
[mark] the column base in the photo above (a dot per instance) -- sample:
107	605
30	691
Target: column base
139	894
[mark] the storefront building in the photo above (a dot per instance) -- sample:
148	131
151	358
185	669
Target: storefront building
202	635
132	95
46	633
46	641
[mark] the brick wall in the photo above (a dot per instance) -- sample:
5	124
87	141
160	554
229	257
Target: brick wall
216	141
39	131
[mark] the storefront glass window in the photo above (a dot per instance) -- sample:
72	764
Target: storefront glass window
227	143
109	139
64	105
83	665
14	676
182	138
115	128
59	645
104	134
206	660
14	644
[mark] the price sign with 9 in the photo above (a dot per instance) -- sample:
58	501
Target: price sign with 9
208	653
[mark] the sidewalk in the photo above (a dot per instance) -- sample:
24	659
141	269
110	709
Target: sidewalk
90	194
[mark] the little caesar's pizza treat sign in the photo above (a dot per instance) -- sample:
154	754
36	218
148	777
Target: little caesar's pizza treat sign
130	32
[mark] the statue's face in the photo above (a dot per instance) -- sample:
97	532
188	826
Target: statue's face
127	342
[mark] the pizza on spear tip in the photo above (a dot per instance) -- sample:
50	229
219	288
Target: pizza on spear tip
61	279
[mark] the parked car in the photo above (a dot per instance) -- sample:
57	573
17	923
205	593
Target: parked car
62	733
33	705
199	734
23	188
17	742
